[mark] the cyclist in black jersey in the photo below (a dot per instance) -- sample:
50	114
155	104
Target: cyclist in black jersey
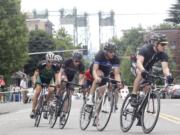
147	56
104	62
70	67
46	72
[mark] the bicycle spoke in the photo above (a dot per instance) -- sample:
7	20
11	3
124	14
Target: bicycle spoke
126	115
151	113
105	111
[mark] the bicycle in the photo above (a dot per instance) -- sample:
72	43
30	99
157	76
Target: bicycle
41	105
148	105
62	106
102	108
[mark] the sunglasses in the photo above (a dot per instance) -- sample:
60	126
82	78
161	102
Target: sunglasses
77	61
163	44
111	51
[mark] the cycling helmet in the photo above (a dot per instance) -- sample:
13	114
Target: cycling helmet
109	46
50	56
58	58
159	38
77	55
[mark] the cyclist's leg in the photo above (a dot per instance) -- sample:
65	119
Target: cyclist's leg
136	86
38	89
93	88
50	90
61	77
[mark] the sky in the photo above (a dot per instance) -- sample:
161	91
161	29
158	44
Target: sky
128	13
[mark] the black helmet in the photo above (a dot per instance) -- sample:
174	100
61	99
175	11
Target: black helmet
110	46
77	55
159	38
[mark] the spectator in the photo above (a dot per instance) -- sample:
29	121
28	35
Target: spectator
23	87
2	82
2	85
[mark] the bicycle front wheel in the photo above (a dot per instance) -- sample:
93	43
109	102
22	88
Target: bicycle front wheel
85	116
150	113
127	114
38	112
53	115
65	111
105	110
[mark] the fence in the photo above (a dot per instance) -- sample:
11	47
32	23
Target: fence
10	96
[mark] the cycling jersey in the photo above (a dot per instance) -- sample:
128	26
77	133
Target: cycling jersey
151	57
46	75
105	65
70	69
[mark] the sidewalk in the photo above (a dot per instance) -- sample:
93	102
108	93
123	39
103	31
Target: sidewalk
12	107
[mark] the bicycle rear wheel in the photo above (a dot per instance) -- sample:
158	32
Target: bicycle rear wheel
127	114
150	113
65	111
105	110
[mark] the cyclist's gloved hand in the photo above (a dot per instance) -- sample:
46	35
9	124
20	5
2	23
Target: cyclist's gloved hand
170	79
145	74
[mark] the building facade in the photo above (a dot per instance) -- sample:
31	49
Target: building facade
40	24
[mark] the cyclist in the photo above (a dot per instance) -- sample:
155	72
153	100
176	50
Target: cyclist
70	67
104	61
149	54
45	72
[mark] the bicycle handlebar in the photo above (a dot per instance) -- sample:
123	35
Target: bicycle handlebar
72	83
111	79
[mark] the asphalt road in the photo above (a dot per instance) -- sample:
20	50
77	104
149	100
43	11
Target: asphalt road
15	121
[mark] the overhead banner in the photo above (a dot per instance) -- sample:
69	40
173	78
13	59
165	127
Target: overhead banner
82	21
67	17
106	20
40	14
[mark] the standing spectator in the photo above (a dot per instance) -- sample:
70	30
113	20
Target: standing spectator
2	82
2	85
23	87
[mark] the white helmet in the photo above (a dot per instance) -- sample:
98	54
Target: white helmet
50	56
58	58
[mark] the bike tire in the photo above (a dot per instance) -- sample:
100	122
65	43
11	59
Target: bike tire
53	116
67	100
126	111
85	115
153	97
38	112
107	100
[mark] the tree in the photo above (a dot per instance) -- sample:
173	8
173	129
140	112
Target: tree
174	13
64	41
126	68
39	41
13	37
132	38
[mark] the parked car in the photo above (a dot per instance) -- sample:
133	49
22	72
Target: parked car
172	92
175	91
30	94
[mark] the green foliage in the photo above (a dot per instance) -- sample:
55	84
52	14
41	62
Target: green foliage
174	13
126	68
64	41
39	41
132	38
13	37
